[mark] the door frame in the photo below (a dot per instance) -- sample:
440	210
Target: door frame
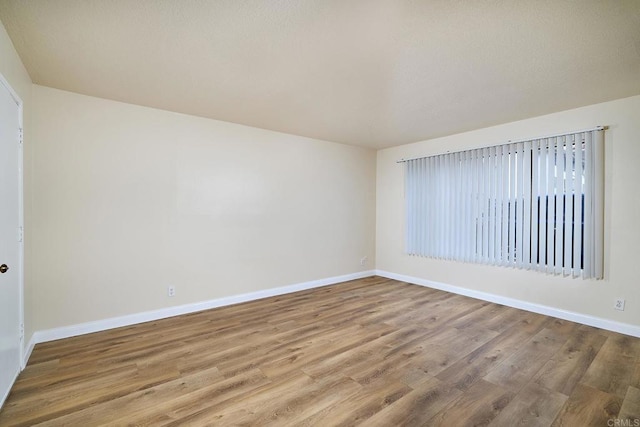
20	160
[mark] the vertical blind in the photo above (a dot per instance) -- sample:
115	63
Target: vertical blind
535	204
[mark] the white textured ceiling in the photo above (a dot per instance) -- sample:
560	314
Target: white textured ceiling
375	73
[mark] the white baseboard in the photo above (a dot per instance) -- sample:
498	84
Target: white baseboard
148	316
27	351
598	322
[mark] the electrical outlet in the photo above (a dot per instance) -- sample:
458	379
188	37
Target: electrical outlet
171	291
619	304
363	260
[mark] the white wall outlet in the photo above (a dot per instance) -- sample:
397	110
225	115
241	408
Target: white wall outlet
171	291
619	304
363	260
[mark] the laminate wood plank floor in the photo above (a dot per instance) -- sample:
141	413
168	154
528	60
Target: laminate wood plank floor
372	352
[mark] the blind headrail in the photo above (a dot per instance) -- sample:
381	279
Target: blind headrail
599	128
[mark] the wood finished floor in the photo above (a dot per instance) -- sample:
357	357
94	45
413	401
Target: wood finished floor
371	352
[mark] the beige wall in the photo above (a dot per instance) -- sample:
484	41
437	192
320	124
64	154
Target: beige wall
622	228
13	71
130	200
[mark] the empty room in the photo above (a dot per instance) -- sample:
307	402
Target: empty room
319	213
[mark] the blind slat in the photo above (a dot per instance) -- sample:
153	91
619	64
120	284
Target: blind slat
568	205
526	217
578	211
598	204
512	204
484	201
543	207
535	197
587	270
505	204
520	206
489	202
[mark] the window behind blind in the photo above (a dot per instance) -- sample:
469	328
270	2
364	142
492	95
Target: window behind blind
535	204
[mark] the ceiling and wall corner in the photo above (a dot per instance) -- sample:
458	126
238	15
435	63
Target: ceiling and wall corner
372	73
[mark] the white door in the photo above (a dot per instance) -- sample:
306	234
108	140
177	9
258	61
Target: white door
10	246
